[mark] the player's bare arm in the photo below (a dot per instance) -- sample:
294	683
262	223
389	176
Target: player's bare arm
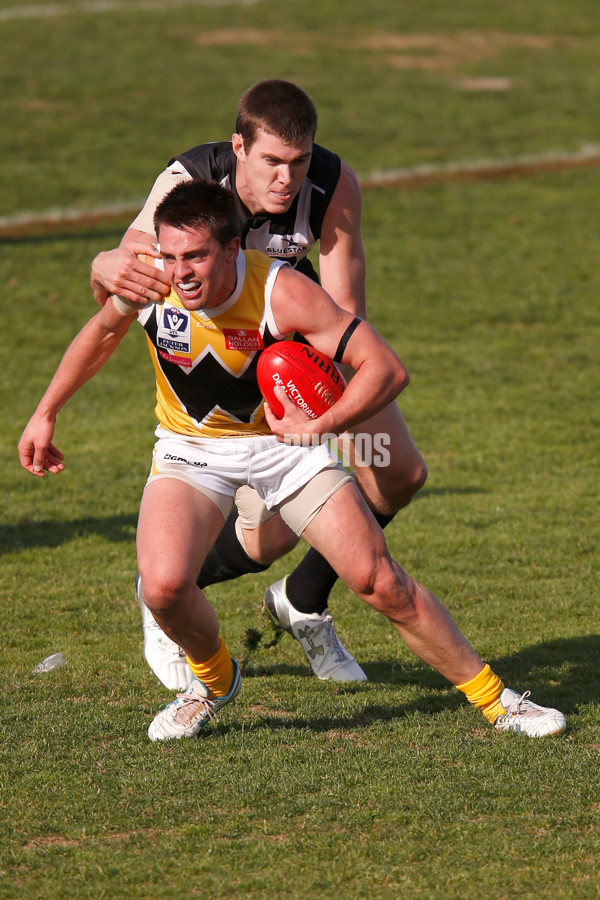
121	271
342	264
299	304
87	353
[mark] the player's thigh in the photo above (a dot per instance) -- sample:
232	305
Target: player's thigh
177	526
346	534
266	536
385	459
270	541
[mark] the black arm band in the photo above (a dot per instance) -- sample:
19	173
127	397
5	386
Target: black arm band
346	337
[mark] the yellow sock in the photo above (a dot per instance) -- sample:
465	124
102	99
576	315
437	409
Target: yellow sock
217	672
484	691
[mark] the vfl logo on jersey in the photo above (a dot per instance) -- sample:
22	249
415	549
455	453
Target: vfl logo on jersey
244	340
173	336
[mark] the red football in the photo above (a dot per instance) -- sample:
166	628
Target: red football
309	378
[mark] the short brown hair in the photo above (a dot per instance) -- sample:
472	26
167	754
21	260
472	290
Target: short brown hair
279	107
200	204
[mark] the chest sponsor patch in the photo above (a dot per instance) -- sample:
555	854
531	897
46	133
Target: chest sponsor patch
176	360
174	331
244	340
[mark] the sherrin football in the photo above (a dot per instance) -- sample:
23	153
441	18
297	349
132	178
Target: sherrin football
309	378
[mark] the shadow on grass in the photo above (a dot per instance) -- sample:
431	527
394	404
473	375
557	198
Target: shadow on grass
563	673
445	491
370	715
50	533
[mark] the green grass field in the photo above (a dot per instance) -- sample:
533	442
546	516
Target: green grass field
487	288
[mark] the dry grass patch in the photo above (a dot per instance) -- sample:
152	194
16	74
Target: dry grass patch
47	842
448	52
485	84
407	51
225	37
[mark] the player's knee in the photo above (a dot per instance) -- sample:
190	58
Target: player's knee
388	489
362	577
397	491
374	580
162	589
395	594
413	481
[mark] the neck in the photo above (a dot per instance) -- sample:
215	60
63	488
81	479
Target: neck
243	193
229	286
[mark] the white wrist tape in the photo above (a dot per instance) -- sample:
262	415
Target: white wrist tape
123	306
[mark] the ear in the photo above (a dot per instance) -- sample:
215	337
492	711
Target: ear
237	142
232	250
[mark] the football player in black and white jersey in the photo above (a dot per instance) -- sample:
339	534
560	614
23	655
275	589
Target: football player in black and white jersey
291	194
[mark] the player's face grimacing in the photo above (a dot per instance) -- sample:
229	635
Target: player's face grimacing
202	272
270	174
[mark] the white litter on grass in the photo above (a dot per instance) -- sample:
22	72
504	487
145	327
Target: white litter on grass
55	661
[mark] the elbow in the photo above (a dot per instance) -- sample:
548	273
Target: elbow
393	380
402	378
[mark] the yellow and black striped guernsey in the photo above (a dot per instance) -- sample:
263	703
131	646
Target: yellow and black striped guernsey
205	360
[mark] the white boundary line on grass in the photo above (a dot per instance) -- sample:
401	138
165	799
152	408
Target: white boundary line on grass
589	154
72	214
86	7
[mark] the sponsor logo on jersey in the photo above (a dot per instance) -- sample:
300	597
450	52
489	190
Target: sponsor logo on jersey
176	360
283	246
244	340
173	337
286	247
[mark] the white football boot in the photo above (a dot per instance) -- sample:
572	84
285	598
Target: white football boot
326	655
525	717
191	710
165	657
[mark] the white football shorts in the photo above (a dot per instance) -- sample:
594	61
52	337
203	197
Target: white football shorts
276	472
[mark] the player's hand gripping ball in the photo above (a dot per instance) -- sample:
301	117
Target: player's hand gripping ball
309	378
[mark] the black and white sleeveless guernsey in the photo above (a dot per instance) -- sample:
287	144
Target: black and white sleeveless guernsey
288	235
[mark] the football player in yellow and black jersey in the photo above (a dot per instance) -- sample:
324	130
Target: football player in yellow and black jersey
216	438
291	195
